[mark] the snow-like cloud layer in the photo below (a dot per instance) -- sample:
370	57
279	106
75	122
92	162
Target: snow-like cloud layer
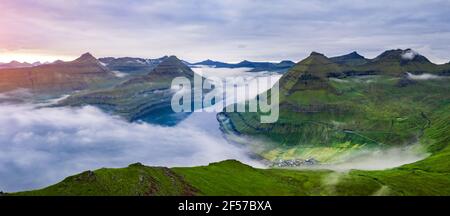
42	146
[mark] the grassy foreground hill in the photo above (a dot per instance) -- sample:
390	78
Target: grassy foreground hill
430	176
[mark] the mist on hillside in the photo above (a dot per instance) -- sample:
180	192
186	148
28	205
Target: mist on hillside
379	159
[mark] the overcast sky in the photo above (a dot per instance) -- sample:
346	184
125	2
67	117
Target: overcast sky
221	29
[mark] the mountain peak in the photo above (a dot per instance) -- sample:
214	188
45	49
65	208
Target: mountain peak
86	57
172	57
309	74
351	59
393	53
403	56
286	62
352	55
313	53
169	68
355	54
206	62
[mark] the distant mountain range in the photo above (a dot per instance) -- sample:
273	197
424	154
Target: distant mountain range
131	65
314	71
281	67
16	64
79	74
393	62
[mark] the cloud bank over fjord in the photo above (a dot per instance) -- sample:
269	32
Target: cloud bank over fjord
42	146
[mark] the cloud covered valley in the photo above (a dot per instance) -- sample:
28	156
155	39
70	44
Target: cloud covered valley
42	146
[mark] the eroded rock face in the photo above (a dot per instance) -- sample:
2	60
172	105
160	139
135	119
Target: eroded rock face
61	76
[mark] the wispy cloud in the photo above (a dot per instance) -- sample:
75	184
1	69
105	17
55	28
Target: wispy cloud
42	146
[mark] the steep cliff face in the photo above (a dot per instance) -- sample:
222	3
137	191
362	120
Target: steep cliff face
61	76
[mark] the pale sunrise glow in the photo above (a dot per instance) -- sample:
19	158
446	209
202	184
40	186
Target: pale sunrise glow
31	56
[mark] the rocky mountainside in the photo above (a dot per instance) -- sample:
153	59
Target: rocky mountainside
61	76
139	96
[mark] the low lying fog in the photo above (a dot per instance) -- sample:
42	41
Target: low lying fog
424	76
42	146
379	159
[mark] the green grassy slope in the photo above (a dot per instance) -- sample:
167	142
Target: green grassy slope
330	118
136	180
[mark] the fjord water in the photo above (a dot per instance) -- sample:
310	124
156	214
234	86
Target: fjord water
41	146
